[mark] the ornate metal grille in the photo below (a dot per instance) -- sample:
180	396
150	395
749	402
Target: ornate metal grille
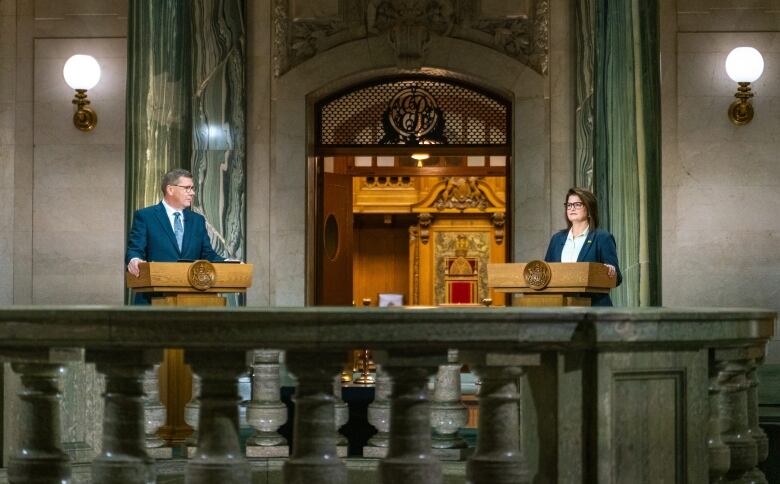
413	111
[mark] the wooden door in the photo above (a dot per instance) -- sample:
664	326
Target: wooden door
335	241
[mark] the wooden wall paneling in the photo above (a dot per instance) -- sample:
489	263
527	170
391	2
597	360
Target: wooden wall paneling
381	262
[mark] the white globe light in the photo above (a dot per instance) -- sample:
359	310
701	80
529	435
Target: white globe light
744	64
81	72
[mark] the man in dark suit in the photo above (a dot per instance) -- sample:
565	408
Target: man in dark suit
169	231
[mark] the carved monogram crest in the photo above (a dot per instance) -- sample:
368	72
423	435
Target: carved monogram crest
461	192
413	116
408	26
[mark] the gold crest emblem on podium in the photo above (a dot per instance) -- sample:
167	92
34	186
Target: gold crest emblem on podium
202	275
537	274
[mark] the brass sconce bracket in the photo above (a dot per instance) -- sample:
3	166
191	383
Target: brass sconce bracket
741	110
85	117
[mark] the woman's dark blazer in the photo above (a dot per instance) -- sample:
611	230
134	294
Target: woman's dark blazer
599	247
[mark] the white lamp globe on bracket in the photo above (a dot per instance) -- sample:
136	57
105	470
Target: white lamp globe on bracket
82	73
743	65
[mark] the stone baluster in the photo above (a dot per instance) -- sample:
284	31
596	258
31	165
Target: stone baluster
314	458
124	458
448	414
154	412
379	415
218	457
756	432
410	459
192	415
718	452
39	457
497	458
341	417
266	412
733	365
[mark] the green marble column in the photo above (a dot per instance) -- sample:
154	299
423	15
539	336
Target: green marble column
627	178
158	121
186	108
585	114
218	125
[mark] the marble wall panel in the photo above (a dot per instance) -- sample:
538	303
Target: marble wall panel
78	179
721	231
58	8
728	15
7	149
258	133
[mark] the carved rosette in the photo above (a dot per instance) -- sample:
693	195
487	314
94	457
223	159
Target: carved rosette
408	26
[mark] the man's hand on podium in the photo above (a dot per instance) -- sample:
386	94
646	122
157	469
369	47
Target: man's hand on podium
132	266
611	272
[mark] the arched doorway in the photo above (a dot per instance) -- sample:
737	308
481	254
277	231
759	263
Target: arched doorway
412	177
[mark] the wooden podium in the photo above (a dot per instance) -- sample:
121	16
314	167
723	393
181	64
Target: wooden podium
550	283
198	283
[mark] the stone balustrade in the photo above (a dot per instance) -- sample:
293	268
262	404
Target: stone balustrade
567	395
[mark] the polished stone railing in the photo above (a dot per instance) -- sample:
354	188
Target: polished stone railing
567	395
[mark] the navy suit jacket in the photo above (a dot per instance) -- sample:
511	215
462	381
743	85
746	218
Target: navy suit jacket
599	247
151	239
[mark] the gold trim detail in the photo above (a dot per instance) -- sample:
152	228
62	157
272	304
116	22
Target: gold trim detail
537	274
202	275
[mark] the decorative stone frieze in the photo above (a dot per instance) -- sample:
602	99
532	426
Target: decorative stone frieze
408	26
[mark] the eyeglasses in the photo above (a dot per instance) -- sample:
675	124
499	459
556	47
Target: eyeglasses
187	188
573	205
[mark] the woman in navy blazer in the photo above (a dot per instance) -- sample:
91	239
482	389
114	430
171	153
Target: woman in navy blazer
583	235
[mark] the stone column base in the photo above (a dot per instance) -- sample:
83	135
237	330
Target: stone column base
453	454
267	451
372	452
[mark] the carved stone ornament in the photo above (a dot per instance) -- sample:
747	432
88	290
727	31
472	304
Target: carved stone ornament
460	193
408	26
537	274
202	275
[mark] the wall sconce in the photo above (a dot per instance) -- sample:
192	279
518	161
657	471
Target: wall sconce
743	65
82	73
420	157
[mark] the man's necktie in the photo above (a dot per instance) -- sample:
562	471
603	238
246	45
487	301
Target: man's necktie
178	228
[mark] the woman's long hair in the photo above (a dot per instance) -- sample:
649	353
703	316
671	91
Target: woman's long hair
589	199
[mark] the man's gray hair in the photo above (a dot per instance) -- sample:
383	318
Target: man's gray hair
172	177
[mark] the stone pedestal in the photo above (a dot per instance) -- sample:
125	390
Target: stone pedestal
409	458
448	414
39	457
124	458
379	416
218	458
154	415
733	365
266	412
314	457
497	458
341	414
192	414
